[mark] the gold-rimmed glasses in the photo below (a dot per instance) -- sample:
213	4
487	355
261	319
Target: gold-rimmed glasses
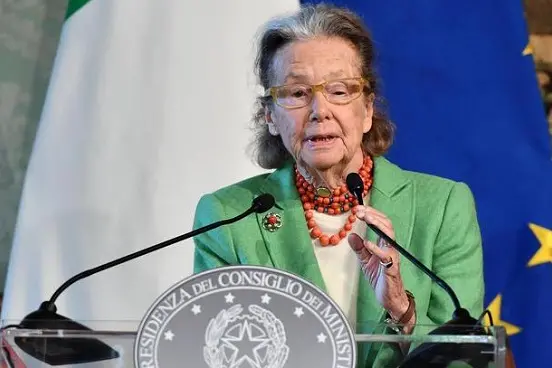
339	92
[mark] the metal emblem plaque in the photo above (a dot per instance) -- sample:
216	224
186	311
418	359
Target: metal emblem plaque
244	317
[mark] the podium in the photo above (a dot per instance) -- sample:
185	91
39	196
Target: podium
383	347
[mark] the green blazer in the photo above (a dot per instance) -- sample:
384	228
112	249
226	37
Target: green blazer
433	218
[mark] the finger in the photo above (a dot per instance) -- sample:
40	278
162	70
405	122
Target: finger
382	223
375	212
384	262
383	254
366	259
365	249
371	269
357	244
369	212
378	219
368	209
389	249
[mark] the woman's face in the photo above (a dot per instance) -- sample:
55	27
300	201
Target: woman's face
321	134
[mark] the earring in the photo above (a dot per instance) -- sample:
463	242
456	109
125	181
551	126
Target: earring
272	129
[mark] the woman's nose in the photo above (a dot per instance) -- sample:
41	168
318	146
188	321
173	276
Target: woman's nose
319	107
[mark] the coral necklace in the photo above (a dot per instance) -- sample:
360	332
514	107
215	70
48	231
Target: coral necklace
332	202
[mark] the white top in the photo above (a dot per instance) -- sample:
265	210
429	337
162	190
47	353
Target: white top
339	264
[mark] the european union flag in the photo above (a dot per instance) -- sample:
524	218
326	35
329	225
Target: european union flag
465	99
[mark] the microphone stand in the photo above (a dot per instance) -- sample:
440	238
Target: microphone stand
63	351
462	323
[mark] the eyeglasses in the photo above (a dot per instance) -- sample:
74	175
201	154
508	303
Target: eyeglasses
339	92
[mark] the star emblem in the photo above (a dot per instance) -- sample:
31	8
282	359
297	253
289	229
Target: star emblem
169	335
265	299
544	254
196	309
321	338
299	312
495	308
246	342
229	298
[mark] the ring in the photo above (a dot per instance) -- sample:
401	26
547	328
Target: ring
387	264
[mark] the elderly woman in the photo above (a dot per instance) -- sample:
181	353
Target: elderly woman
316	124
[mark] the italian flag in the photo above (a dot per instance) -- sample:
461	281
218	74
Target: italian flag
148	108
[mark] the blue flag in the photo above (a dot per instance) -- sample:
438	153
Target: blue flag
464	97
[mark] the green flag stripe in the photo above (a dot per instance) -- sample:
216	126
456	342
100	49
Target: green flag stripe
74	6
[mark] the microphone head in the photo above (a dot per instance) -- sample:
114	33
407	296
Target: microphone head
355	184
263	203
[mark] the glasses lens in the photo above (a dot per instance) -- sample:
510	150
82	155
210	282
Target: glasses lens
294	95
341	92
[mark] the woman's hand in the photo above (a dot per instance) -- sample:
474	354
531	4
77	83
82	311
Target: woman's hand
380	263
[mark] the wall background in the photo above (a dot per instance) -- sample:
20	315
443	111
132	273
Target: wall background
29	33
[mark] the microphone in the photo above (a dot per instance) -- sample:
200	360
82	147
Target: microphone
462	323
63	351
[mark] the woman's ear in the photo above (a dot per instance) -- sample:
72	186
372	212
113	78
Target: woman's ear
369	106
272	129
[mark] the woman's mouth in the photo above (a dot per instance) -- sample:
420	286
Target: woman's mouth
320	141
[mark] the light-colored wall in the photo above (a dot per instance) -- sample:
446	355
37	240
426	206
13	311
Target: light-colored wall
29	32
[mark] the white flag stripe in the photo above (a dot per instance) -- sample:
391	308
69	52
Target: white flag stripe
148	108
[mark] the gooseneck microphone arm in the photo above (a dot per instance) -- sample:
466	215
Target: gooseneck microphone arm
69	351
356	186
462	323
260	204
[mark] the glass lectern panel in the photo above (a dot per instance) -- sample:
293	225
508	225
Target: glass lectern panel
113	344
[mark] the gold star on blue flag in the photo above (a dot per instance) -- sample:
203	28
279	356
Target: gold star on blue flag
495	308
544	253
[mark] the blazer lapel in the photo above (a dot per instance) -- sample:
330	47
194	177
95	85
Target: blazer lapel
392	194
290	246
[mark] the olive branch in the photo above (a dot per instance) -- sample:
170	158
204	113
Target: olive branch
278	354
215	329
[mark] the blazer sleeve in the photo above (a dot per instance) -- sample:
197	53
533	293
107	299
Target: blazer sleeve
457	259
215	248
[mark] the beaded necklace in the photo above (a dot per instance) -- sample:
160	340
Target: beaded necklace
332	202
